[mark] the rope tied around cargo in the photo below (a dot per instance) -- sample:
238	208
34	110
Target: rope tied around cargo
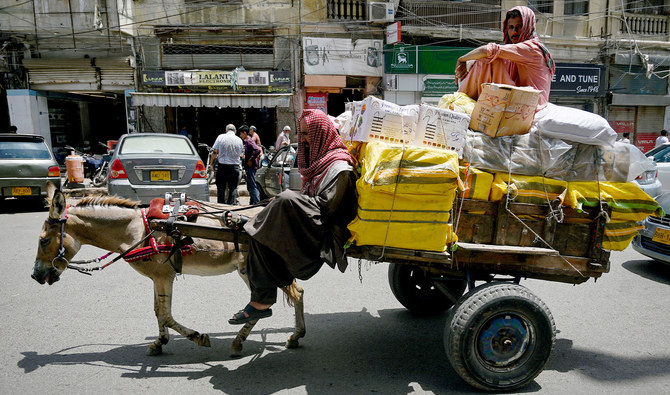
509	199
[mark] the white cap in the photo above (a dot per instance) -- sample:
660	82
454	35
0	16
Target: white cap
287	127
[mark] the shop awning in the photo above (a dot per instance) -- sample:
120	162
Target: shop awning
258	100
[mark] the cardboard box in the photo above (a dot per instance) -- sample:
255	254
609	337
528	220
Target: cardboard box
441	128
381	120
504	110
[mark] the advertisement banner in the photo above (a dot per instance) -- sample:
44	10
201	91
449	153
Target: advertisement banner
252	78
317	101
646	141
153	78
341	56
180	78
438	86
215	78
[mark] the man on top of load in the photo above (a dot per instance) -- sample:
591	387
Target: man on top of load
522	60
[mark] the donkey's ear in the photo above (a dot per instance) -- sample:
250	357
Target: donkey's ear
51	189
57	205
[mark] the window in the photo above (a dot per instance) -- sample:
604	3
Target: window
156	144
575	7
649	7
542	6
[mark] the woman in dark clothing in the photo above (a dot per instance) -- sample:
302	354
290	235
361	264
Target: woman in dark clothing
297	232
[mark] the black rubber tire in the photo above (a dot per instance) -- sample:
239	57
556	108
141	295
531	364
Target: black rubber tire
499	336
99	180
418	293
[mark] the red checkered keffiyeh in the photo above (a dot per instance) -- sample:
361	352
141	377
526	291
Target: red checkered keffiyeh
325	148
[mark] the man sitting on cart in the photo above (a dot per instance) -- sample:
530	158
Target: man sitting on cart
312	224
522	60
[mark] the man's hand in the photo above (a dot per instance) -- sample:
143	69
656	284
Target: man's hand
461	70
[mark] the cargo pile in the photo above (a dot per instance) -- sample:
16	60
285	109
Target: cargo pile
415	160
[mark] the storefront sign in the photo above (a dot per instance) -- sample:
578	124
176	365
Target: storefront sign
280	78
252	78
341	56
428	59
180	78
214	78
578	80
646	141
393	33
317	101
153	78
438	87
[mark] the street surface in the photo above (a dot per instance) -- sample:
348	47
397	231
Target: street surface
86	335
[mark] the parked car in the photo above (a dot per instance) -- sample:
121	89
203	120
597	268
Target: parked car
26	164
661	156
280	173
649	182
145	166
654	240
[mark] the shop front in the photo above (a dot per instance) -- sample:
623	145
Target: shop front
340	70
205	101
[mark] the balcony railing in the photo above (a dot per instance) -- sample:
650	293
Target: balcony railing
347	10
645	24
478	14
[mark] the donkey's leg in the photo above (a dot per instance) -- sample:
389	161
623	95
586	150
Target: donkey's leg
156	348
295	294
236	346
163	289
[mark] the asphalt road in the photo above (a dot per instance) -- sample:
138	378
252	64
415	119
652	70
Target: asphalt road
89	334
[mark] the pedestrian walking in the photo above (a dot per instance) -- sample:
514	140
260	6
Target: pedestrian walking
251	153
227	150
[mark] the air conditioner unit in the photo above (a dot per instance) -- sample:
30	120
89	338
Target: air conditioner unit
381	12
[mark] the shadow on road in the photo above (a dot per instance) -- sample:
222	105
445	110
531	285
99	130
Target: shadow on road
344	353
604	366
649	269
27	205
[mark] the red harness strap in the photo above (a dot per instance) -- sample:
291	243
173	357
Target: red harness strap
153	248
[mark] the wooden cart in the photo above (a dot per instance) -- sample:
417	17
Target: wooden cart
498	335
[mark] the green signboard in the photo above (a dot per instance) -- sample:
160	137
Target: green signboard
434	87
424	59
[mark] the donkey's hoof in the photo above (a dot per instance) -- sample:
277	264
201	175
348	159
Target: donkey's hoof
292	343
204	340
236	349
154	349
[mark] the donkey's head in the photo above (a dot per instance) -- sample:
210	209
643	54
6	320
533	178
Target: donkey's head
55	247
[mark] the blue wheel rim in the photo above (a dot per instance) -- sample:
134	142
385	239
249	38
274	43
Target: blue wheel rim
504	340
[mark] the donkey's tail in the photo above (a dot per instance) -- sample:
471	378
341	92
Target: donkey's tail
293	293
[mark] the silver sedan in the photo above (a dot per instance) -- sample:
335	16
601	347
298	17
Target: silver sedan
149	165
654	240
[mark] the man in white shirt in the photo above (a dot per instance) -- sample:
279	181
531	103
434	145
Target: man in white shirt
662	139
283	138
228	150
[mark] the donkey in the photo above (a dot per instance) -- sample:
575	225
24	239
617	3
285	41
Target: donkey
116	224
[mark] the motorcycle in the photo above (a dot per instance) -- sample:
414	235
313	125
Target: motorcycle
211	170
91	163
99	178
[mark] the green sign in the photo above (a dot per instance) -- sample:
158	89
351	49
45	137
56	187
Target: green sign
425	59
434	87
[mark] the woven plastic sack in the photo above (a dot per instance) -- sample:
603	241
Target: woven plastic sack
476	183
418	222
619	234
398	169
627	201
527	189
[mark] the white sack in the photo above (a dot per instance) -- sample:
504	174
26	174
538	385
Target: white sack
573	125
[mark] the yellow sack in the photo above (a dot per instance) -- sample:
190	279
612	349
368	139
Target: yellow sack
459	102
476	183
627	201
619	234
415	170
528	189
418	222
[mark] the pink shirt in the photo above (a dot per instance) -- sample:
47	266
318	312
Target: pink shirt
521	64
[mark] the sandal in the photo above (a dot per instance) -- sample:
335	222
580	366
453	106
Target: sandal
235	221
249	313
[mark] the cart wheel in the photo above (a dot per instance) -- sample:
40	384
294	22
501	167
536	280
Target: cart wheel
420	294
499	336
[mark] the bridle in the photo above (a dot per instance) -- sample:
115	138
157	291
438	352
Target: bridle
61	249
